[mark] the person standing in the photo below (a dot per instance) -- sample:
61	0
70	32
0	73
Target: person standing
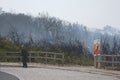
24	56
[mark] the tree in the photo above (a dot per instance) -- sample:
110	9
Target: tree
115	48
105	46
14	36
30	42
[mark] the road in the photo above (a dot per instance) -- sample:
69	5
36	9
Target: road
58	73
6	76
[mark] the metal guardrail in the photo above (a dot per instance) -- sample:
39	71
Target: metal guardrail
107	61
33	56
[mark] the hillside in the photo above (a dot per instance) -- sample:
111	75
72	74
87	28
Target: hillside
46	31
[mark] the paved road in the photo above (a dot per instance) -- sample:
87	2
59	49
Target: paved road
42	73
6	76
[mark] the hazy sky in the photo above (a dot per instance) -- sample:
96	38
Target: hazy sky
92	13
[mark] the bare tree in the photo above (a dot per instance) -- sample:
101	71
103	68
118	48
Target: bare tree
14	36
115	48
30	42
105	45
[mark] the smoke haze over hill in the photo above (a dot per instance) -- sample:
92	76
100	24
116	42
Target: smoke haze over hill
44	30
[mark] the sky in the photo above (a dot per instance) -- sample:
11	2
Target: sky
91	13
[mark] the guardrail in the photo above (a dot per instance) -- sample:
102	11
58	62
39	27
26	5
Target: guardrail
107	61
33	56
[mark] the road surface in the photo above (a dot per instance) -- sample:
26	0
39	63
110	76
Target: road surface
6	76
58	73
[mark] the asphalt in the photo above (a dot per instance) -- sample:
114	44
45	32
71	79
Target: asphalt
46	73
6	76
37	71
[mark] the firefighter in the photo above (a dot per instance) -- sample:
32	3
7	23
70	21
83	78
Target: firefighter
24	56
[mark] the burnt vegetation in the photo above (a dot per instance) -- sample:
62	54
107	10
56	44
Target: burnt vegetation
46	33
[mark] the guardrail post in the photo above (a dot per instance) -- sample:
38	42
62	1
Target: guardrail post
20	56
29	57
63	59
104	59
113	62
95	61
46	58
99	61
55	57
